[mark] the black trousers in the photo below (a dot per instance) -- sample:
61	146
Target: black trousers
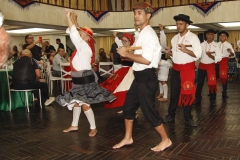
202	74
224	86
34	85
174	96
56	73
142	94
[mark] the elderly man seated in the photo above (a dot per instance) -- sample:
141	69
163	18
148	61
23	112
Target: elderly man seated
59	58
26	75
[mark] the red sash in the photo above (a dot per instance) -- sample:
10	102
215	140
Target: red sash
223	70
211	75
188	89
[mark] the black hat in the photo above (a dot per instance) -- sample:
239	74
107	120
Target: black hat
209	31
223	32
183	17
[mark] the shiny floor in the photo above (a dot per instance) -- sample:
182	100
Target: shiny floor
38	134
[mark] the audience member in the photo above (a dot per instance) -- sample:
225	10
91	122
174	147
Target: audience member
26	75
31	45
60	45
59	58
48	48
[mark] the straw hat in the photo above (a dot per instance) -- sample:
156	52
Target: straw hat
87	30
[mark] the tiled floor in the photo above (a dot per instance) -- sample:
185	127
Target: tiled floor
38	134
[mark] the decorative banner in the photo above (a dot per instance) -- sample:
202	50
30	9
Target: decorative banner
96	15
24	3
206	7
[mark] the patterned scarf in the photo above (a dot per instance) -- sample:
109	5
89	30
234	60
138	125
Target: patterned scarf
211	75
188	89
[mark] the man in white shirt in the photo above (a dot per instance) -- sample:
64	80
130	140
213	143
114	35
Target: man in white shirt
210	55
222	67
186	49
143	89
58	58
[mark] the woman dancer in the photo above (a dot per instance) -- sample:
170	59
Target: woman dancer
85	89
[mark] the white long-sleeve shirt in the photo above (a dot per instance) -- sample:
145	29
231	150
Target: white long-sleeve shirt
210	47
118	42
82	59
189	38
163	40
149	42
223	49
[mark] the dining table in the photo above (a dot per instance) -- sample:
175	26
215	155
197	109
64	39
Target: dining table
17	98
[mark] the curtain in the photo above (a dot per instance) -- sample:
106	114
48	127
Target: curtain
105	43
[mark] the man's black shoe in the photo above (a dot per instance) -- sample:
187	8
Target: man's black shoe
224	96
212	102
168	119
197	104
191	123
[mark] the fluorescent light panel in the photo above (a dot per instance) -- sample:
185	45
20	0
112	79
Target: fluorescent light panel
175	27
30	30
125	30
232	24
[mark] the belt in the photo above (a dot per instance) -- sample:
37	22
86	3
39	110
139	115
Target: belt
83	80
145	75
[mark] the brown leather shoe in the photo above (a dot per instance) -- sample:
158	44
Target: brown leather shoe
159	96
163	99
92	132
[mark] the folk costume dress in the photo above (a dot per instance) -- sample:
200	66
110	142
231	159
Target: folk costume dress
85	89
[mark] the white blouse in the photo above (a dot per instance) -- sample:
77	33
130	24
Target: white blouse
82	59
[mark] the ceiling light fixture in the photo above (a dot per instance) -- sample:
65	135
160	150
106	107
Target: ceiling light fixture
175	27
232	24
30	30
124	30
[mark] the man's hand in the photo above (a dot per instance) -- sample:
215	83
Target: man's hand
161	27
229	50
74	16
182	47
37	41
67	12
209	53
115	34
122	51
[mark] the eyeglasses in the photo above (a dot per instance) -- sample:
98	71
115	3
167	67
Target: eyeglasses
125	41
30	38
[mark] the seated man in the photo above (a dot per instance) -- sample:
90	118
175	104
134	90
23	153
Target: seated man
26	75
56	62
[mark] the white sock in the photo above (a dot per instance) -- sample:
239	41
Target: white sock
91	119
160	88
76	115
165	90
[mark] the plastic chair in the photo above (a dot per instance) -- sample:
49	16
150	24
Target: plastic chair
18	90
50	78
105	68
65	75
